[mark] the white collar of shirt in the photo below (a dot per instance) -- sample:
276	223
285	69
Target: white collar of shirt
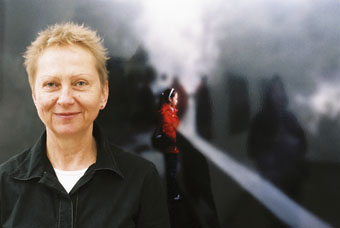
68	179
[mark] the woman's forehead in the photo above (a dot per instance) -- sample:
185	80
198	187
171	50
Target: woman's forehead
66	60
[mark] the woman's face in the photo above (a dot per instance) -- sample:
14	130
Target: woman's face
174	100
67	91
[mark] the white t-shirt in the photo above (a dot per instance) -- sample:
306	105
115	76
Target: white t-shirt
69	178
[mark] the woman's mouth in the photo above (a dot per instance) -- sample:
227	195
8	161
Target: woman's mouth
66	115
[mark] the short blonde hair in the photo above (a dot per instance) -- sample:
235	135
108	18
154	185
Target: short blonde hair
66	34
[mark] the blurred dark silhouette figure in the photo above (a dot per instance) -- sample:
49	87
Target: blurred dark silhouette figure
114	118
144	116
239	105
183	101
203	110
277	143
140	56
135	73
141	102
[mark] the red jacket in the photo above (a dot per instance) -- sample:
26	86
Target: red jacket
170	122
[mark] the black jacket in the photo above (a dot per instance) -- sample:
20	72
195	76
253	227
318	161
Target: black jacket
119	190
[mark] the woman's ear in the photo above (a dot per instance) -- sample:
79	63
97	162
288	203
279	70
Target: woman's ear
33	97
105	95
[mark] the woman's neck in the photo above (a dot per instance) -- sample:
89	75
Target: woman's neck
71	153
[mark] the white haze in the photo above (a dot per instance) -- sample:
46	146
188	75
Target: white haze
298	39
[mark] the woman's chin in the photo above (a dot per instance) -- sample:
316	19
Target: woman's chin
68	130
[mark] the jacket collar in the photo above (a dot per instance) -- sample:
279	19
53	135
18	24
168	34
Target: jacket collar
105	152
168	107
36	163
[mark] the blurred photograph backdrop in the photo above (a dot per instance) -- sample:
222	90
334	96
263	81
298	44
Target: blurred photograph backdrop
259	80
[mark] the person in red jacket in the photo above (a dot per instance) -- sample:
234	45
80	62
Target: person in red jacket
169	123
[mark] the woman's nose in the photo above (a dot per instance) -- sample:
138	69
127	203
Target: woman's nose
66	96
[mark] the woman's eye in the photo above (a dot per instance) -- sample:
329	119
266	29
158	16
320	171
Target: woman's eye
51	84
81	83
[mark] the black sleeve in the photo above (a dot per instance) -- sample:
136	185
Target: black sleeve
153	212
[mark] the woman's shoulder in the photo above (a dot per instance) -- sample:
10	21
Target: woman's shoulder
128	161
14	163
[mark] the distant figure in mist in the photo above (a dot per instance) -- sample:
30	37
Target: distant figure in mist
203	110
145	110
190	199
238	103
182	105
167	129
276	141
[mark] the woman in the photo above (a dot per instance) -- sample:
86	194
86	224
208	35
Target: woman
169	123
72	176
